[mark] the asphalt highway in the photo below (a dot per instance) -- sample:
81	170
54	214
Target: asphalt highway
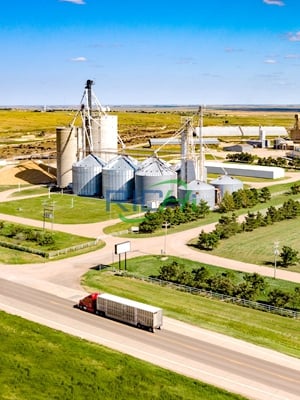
255	373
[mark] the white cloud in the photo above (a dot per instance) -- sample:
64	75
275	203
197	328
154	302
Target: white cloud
270	61
274	2
232	50
294	37
79	59
74	1
292	56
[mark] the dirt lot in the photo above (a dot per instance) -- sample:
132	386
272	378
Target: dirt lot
26	172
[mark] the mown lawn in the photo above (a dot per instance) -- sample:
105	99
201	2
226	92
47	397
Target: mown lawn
39	363
257	247
68	209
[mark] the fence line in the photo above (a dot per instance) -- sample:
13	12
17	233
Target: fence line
222	297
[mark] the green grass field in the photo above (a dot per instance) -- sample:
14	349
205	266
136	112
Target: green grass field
264	329
68	209
38	363
257	247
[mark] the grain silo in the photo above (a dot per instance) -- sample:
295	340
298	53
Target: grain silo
104	136
87	176
195	191
67	144
118	178
226	183
155	181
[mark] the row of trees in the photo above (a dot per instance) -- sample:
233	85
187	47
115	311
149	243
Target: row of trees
243	198
173	216
187	212
20	234
249	288
248	158
228	226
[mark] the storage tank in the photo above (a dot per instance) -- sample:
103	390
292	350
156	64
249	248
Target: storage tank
195	191
226	183
104	137
87	176
155	180
118	178
66	148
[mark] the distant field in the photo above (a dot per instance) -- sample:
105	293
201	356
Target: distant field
14	123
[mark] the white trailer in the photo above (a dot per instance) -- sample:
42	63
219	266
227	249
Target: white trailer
125	310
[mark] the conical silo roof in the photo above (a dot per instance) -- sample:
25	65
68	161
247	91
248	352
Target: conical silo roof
90	161
154	166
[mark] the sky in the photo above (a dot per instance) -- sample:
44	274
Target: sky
208	52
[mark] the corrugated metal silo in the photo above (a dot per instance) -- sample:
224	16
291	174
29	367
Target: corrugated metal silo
226	183
66	148
195	191
155	180
87	176
104	137
118	178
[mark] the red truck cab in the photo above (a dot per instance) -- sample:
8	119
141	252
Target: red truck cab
88	303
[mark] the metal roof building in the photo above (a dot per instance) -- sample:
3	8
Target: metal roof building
257	171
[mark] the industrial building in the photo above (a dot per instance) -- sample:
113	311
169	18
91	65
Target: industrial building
92	161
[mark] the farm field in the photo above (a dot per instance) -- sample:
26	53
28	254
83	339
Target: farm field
27	130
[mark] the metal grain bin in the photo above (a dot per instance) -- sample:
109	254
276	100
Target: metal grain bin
226	183
196	191
155	180
118	178
87	176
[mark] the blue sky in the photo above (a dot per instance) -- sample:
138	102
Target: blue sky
150	52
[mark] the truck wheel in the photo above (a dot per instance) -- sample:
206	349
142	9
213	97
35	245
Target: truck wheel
139	326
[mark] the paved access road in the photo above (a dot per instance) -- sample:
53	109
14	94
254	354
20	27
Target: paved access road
246	369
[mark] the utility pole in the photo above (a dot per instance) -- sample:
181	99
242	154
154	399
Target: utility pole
276	253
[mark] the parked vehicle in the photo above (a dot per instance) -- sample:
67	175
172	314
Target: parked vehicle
143	316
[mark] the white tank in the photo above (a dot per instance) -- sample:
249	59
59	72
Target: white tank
104	137
66	148
195	191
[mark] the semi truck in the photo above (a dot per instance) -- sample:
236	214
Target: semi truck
143	316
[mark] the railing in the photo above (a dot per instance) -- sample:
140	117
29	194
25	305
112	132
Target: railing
49	254
222	297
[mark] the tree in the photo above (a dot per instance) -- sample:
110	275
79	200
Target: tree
227	226
202	209
151	222
264	195
201	275
208	241
227	203
289	256
278	298
169	272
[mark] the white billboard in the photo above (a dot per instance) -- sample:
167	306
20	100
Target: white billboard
123	247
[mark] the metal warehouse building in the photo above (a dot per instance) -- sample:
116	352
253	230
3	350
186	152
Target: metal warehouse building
244	170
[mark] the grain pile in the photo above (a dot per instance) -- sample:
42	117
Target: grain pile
26	172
